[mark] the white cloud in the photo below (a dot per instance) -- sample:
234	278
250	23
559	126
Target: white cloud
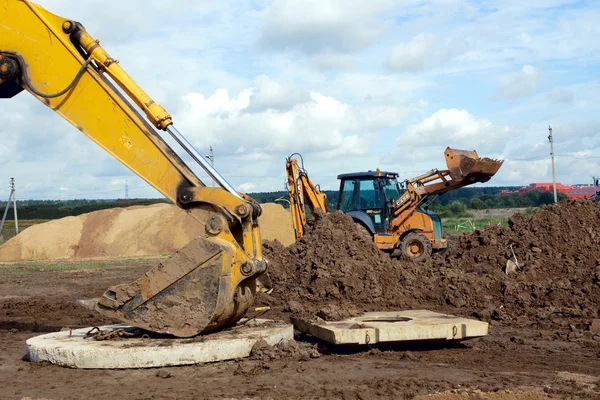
332	61
320	124
314	26
560	95
411	56
246	187
457	129
521	84
269	94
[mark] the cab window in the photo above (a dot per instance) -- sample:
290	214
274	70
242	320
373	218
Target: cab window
369	197
347	200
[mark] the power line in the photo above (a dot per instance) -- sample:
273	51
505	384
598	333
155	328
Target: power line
13	196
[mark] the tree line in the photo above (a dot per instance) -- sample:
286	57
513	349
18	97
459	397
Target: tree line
54	209
450	204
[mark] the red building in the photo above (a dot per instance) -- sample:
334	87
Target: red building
568	190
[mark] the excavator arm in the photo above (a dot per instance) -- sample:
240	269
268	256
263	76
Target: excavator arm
302	191
209	283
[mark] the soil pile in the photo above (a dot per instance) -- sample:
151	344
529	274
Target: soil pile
334	271
125	232
558	253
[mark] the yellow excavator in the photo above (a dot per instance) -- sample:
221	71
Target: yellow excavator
392	212
212	281
302	191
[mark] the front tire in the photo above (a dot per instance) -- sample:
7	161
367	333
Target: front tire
416	247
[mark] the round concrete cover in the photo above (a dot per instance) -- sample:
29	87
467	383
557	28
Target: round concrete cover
71	349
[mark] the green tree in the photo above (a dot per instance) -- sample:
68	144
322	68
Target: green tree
477	204
457	208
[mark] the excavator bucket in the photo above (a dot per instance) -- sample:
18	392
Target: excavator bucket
206	285
467	165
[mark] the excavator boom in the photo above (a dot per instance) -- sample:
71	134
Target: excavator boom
212	281
302	191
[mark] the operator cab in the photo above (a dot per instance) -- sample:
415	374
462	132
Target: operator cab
368	197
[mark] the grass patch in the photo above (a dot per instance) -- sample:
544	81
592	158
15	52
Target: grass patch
455	226
75	265
58	267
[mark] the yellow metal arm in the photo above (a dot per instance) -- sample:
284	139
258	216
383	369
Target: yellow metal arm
44	58
301	189
212	281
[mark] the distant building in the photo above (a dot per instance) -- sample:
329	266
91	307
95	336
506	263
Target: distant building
568	190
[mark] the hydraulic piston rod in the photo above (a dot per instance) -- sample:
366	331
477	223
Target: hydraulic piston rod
196	156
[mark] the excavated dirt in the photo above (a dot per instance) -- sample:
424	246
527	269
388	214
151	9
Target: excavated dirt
510	363
334	272
301	351
126	232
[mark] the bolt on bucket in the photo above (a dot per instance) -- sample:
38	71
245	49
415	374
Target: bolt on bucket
467	165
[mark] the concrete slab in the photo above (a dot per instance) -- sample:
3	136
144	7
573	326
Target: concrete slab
394	326
73	350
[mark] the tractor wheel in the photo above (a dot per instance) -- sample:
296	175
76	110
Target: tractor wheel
416	246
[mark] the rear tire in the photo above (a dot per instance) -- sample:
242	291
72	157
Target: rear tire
416	247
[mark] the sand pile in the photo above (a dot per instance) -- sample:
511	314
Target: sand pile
132	231
276	224
334	271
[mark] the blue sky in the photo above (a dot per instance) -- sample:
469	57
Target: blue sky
352	85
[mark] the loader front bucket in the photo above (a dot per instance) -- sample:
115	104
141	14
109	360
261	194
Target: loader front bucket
466	165
197	290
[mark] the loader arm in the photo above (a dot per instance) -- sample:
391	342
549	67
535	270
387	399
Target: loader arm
302	191
464	168
207	284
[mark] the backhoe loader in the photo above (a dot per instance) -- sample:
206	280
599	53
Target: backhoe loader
393	213
212	281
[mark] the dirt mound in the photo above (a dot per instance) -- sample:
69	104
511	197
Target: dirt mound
335	272
132	231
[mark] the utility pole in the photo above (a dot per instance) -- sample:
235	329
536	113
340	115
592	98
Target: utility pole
126	190
13	197
553	169
211	157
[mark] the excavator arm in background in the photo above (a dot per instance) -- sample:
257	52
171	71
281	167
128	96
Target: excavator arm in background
209	283
302	191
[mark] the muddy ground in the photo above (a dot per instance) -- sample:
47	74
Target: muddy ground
522	362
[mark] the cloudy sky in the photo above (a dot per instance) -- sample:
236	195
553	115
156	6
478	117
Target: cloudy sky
350	84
